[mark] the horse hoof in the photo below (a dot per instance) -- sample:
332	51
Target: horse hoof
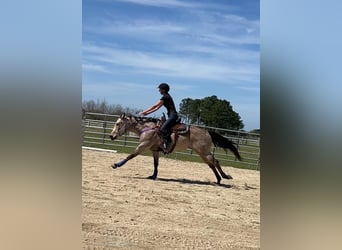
114	166
152	177
229	177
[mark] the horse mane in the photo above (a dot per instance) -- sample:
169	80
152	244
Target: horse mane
146	119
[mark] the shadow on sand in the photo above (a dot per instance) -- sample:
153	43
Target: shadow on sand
188	181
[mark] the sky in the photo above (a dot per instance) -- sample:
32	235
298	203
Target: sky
200	48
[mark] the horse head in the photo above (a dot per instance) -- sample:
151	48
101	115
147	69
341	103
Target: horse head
120	127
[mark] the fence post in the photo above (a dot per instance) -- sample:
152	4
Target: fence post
104	132
238	144
104	129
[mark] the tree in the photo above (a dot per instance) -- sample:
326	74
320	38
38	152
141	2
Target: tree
211	111
105	108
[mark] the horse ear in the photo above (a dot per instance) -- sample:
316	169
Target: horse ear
123	115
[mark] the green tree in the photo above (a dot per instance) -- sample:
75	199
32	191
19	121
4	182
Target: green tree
211	111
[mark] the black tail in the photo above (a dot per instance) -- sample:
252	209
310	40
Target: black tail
222	142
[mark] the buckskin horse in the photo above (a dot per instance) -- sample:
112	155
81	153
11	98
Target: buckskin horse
197	139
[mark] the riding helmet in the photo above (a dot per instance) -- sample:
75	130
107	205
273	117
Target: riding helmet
164	86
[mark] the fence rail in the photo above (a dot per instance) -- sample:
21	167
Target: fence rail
97	127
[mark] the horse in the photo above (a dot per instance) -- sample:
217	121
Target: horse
197	139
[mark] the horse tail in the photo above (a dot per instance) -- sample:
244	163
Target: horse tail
222	142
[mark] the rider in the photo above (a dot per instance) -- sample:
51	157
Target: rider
168	103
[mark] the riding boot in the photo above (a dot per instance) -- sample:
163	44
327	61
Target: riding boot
166	142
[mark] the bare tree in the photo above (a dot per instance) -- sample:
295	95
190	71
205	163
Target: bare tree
106	108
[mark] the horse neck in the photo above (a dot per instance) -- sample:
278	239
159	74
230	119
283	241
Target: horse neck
136	128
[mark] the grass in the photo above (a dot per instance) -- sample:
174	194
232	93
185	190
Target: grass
93	137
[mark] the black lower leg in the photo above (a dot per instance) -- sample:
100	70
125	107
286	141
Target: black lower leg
223	174
155	163
218	177
155	172
122	162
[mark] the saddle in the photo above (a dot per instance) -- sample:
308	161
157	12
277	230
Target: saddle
178	129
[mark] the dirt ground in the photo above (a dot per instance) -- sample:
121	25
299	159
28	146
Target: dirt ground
182	209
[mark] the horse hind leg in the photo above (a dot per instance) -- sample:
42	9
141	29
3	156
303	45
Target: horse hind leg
218	177
209	159
223	174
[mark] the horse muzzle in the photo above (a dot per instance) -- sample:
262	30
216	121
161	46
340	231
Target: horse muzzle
112	137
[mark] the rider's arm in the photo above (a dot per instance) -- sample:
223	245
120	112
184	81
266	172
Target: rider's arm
154	108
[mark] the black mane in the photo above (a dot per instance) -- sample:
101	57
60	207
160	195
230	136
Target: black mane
146	119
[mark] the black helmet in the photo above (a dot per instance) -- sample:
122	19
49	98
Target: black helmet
164	86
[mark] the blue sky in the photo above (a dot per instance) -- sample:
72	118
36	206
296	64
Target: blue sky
201	48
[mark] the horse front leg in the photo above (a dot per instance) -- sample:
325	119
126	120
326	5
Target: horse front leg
156	163
141	147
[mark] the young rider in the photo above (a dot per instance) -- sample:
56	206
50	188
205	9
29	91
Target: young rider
168	103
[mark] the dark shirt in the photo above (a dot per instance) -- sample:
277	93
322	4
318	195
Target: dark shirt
169	104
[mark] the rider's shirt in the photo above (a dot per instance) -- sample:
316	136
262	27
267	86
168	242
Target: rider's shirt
169	104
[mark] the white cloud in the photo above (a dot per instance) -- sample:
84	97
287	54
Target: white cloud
135	28
161	3
197	27
220	31
93	67
172	64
